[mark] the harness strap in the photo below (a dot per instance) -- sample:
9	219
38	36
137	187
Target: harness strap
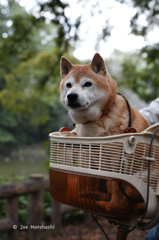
129	124
129	129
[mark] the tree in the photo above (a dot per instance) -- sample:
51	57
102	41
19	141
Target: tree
141	76
31	46
147	9
29	74
140	70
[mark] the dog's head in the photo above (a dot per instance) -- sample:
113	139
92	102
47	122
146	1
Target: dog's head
85	89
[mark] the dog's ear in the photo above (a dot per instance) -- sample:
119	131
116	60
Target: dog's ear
98	64
65	67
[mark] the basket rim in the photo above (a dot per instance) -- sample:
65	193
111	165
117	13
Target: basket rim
58	135
65	135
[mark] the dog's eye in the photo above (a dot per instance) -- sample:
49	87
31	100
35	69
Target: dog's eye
87	84
68	85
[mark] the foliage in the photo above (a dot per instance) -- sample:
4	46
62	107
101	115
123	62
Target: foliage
140	70
73	216
25	63
23	208
147	9
2	208
47	209
23	87
7	123
68	30
29	72
31	46
23	205
141	76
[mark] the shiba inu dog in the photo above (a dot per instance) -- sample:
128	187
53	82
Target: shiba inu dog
90	95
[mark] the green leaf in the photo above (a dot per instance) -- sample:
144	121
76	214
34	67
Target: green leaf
6	137
7	120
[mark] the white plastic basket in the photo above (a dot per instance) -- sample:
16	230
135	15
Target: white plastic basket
120	157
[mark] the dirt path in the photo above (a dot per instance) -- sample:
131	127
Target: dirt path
90	231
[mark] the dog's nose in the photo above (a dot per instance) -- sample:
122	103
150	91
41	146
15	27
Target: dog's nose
72	97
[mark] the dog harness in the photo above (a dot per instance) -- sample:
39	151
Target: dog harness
129	129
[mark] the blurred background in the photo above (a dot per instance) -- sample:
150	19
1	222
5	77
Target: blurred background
34	34
33	37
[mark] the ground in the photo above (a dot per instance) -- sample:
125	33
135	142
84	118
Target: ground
89	230
86	230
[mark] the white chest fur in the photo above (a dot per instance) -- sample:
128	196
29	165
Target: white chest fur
115	122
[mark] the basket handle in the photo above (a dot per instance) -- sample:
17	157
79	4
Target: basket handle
151	129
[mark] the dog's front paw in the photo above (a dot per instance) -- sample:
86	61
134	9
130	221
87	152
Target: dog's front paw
73	133
65	131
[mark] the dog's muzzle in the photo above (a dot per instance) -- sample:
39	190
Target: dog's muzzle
73	100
